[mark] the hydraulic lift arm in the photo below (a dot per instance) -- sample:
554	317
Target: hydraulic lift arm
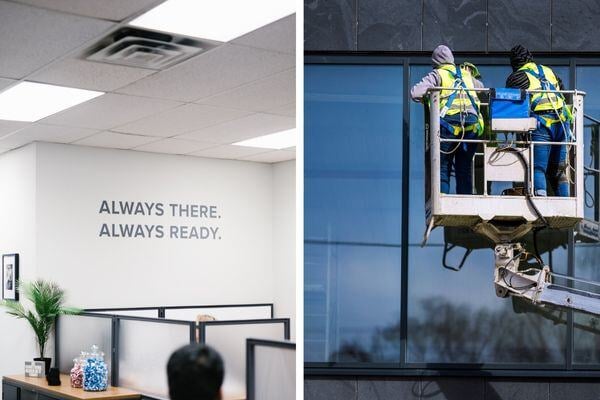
536	284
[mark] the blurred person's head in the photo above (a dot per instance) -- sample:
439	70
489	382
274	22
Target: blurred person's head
195	372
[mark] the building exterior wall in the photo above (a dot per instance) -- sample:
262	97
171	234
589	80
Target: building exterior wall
465	25
353	388
480	27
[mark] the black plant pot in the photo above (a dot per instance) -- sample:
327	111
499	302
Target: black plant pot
47	361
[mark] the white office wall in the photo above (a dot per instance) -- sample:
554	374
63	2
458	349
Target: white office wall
17	235
49	214
284	241
107	271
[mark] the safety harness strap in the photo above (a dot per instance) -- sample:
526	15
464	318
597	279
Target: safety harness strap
459	83
565	114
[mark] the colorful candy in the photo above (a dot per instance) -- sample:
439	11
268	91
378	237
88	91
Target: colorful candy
77	374
95	372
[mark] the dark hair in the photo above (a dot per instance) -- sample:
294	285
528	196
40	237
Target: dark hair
195	372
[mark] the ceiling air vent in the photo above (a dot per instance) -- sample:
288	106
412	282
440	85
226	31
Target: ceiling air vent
146	49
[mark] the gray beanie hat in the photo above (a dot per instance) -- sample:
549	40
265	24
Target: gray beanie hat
442	55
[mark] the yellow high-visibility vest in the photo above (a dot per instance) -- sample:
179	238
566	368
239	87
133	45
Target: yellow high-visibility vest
541	102
453	102
461	101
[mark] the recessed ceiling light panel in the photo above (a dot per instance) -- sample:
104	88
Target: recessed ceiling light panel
29	101
279	140
220	20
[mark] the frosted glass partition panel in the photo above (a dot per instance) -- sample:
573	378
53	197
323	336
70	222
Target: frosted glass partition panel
220	313
230	341
144	349
131	313
78	333
274	373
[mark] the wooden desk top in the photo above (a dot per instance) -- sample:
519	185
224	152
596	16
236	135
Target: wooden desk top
65	391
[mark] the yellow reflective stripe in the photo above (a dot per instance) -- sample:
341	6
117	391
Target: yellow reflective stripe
548	101
461	101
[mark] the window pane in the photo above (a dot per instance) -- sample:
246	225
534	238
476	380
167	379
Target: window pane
455	317
353	197
587	80
586	335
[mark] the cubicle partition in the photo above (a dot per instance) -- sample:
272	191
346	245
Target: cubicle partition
229	339
138	347
146	312
270	369
144	348
76	333
223	312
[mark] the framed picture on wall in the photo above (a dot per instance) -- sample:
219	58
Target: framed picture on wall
10	276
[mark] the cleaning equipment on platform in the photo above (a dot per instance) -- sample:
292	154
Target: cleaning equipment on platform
509	110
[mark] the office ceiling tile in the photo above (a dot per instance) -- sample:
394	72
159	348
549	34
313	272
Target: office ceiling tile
288	110
223	68
90	75
173	146
115	140
243	128
228	152
8	127
4	83
45	133
114	10
272	156
271	92
32	37
108	111
278	36
180	120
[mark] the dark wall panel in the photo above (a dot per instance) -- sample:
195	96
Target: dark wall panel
449	388
329	389
575	25
376	389
452	389
389	25
560	390
330	24
502	389
460	24
523	22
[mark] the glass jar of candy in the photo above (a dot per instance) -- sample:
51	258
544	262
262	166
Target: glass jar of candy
95	372
77	371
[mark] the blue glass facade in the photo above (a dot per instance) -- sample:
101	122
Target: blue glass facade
353	195
373	297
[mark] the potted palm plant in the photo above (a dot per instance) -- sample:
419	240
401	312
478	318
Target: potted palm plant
47	299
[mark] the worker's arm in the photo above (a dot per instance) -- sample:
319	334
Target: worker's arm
430	80
560	82
477	84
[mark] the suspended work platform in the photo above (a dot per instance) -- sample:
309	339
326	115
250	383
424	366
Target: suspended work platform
505	154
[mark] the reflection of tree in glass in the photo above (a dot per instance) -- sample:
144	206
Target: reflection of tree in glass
586	343
350	352
448	333
466	334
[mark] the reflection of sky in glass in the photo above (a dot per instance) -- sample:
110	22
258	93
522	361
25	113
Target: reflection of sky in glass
587	80
587	255
353	149
441	300
353	162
